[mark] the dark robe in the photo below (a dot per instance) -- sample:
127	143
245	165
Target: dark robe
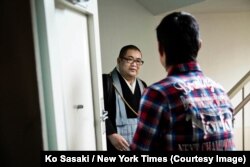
110	103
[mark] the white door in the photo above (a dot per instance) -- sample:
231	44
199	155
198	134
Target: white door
66	38
71	29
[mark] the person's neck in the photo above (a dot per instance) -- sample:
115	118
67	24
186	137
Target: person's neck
129	79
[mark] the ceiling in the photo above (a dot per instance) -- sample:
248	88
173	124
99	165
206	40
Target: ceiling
157	7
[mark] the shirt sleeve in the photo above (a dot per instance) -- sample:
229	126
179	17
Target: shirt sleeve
151	107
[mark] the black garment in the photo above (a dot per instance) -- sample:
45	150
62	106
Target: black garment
110	103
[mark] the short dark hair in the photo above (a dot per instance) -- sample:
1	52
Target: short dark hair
178	34
124	50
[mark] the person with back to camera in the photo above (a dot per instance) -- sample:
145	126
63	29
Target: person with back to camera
186	111
122	93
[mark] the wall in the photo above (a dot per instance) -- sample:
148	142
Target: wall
225	56
20	123
225	45
127	22
224	35
225	52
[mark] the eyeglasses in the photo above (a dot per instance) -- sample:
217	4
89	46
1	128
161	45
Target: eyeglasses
131	60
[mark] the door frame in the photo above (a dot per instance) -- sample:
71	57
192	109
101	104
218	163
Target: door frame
50	95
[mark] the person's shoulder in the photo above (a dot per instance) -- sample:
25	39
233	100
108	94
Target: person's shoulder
165	82
106	79
210	82
164	86
158	86
143	82
105	76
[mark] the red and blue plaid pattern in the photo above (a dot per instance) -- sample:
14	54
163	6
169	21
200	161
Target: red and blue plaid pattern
185	111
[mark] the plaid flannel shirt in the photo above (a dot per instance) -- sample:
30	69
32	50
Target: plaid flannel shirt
185	111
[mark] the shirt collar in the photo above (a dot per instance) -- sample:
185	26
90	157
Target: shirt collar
180	68
131	86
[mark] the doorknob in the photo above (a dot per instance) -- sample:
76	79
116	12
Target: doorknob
79	106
